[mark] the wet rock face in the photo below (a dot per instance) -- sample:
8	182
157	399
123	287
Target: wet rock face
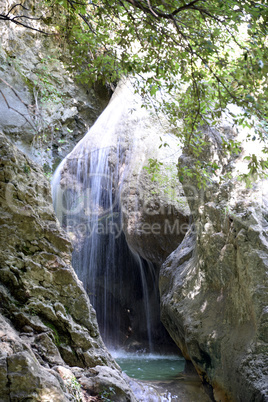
213	288
46	318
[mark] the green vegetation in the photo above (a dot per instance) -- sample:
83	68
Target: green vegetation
194	58
26	168
54	332
154	168
166	177
107	394
74	388
203	56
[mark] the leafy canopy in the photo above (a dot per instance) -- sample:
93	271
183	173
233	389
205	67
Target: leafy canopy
203	54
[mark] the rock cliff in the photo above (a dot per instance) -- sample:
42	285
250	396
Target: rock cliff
155	210
42	107
214	285
48	326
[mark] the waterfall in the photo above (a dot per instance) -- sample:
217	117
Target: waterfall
86	194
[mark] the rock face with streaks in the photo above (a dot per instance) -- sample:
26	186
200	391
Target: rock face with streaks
214	286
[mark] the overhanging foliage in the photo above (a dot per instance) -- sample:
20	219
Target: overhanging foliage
202	55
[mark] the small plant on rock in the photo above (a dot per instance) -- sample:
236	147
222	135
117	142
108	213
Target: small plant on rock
74	388
106	394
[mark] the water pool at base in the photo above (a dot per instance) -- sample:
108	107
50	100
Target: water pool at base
150	367
160	377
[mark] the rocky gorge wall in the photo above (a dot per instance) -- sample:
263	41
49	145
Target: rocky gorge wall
214	285
49	334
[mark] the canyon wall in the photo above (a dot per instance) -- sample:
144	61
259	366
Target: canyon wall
49	336
214	285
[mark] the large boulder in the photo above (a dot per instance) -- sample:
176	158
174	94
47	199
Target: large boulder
214	286
155	210
21	375
46	318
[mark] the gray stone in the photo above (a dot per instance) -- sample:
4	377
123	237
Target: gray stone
4	386
107	383
21	375
48	317
214	286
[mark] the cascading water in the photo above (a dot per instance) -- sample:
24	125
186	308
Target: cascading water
86	193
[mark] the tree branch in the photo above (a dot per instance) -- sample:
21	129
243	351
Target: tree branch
8	17
186	7
14	91
15	110
16	5
84	18
156	13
